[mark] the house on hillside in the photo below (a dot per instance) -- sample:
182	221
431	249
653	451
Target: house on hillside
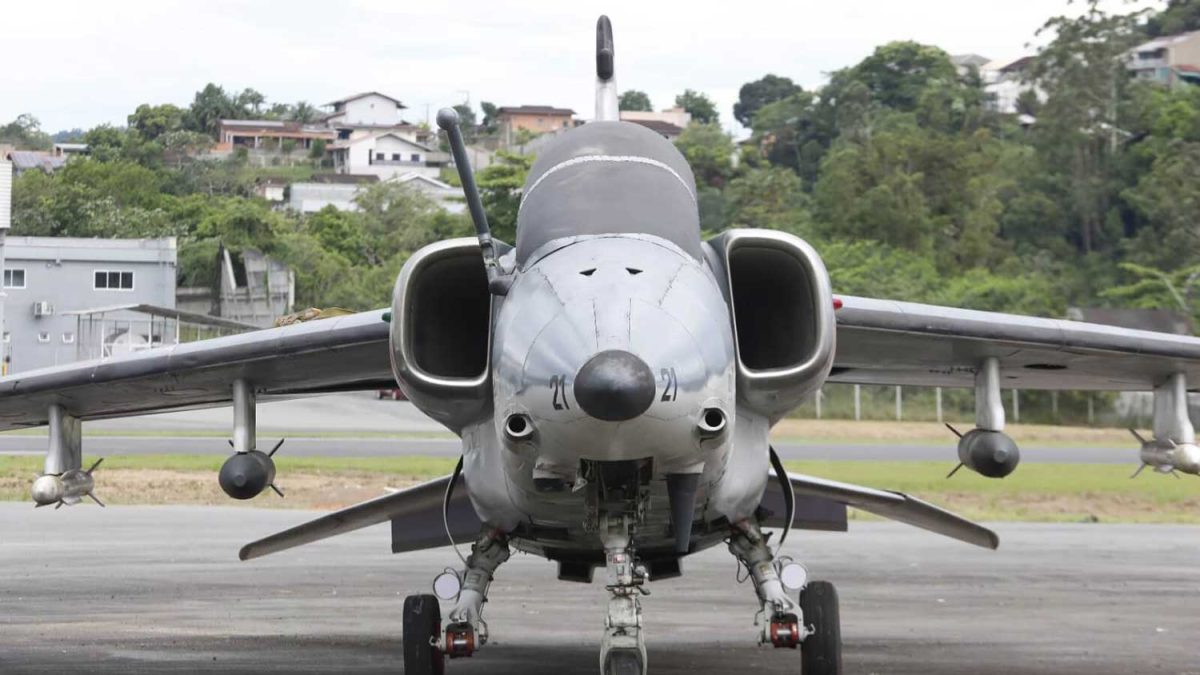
270	134
336	190
667	123
1171	60
535	119
387	155
28	160
1006	80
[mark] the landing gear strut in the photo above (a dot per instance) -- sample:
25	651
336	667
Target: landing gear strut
812	625
623	648
466	631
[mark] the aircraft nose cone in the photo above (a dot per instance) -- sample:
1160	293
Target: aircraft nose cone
614	386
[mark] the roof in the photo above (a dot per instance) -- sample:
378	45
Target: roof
23	160
365	94
660	127
277	127
1165	41
168	312
376	136
969	60
413	176
344	178
72	146
156	250
533	110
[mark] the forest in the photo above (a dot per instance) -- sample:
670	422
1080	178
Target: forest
897	170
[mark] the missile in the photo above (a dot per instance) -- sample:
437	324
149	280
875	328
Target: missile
988	453
1167	456
68	489
246	474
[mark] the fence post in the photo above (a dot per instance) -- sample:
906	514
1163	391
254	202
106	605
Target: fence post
820	395
899	406
1091	410
939	404
1016	407
857	402
1054	406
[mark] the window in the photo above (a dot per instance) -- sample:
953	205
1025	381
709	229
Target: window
395	157
14	278
379	156
7	337
68	338
113	280
44	336
416	157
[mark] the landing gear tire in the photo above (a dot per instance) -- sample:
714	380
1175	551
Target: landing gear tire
422	629
623	662
821	651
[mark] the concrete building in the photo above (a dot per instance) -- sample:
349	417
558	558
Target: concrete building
49	281
676	116
271	134
1005	81
70	149
365	111
534	119
386	154
340	194
1171	60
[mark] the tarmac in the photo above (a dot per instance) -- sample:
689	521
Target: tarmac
159	590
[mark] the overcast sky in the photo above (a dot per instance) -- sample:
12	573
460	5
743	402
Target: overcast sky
82	63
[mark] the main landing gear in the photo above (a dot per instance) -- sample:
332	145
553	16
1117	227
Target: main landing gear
812	625
425	646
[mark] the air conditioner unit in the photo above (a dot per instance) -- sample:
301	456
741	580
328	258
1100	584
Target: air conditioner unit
43	308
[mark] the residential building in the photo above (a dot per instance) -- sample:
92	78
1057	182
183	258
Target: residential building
6	178
1170	60
253	291
1005	81
340	194
365	111
49	281
965	63
676	116
70	149
271	188
386	154
336	190
665	129
534	119
271	134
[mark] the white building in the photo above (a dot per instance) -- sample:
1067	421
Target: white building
386	154
314	196
1006	80
367	110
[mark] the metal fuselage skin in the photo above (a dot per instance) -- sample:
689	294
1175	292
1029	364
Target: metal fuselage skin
574	299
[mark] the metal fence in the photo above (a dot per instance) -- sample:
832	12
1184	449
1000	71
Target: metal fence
939	404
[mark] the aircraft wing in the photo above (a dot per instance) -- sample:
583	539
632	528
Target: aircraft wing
895	506
905	343
343	353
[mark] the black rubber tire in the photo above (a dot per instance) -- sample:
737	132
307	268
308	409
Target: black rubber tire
623	662
422	627
821	652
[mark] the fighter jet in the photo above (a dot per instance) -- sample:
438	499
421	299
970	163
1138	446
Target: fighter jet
614	379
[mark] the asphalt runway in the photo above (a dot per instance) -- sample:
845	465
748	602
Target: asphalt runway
159	590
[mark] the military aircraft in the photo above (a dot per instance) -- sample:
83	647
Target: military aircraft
613	378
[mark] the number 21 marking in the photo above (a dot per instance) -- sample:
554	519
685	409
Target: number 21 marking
670	384
558	384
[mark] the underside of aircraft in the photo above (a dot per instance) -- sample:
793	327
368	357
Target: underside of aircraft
614	379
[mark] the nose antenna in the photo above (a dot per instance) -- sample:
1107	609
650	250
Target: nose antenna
498	282
607	109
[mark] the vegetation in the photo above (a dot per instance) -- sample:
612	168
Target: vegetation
897	170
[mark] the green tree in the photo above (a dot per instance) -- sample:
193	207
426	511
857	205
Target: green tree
633	99
303	112
106	143
466	117
1080	124
1180	16
489	115
1151	288
897	73
772	198
500	187
709	151
152	121
699	106
209	107
25	133
754	95
250	101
